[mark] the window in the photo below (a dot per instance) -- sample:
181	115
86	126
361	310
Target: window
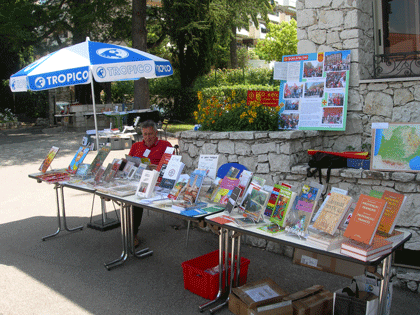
397	37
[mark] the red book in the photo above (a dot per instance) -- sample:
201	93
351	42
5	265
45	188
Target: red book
378	245
365	219
394	202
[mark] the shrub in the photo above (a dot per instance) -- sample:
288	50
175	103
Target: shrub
233	115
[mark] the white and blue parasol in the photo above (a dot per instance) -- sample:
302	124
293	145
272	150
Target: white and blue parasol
78	63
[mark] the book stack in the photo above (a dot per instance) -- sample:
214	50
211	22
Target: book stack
366	252
325	241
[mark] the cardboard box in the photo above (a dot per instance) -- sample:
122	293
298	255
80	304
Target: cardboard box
116	143
328	264
314	300
249	299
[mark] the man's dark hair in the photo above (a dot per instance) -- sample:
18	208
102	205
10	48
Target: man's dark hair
149	123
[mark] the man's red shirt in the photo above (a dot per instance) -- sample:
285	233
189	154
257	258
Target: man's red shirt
156	150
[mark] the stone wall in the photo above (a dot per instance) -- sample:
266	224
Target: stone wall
282	157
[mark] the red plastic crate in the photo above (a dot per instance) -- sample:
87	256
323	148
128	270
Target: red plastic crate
203	283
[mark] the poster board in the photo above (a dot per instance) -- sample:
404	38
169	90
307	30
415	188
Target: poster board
313	90
395	147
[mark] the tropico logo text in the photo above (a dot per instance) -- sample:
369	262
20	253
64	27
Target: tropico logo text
163	68
112	53
69	78
128	70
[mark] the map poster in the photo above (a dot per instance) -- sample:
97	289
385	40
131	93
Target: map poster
313	90
395	147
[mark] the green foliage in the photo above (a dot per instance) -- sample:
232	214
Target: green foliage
241	91
122	91
280	40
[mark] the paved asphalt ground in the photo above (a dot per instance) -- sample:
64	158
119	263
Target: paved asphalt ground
66	274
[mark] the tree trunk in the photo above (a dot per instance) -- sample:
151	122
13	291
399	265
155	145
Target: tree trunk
233	49
141	87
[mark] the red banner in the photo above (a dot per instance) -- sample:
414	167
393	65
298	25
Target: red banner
267	98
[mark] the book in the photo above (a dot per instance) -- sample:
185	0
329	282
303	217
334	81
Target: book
376	193
256	182
179	185
333	189
99	159
233	199
137	174
365	219
378	245
191	190
245	222
162	166
82	170
214	208
394	237
255	204
226	186
129	167
271	228
99	174
193	212
172	172
272	200
184	205
123	190
325	241
147	183
223	219
394	203
332	213
284	202
107	175
77	159
54	177
365	257
48	159
244	180
299	215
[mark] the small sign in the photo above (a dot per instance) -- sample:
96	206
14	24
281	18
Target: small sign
267	98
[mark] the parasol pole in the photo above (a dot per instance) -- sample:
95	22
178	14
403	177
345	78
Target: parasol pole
94	115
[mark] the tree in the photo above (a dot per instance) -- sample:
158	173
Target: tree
191	29
280	40
237	14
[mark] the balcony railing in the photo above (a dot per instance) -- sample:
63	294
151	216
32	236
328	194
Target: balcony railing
397	65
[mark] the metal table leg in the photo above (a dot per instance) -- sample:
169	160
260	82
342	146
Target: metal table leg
223	241
127	239
104	223
124	253
57	186
386	274
230	282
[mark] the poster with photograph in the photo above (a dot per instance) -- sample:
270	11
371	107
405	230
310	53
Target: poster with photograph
313	90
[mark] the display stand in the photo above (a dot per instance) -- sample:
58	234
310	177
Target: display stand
105	223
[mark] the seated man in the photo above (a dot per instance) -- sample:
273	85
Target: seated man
150	147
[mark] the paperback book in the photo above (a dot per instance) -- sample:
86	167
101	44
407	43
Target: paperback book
138	172
163	163
180	184
184	205
394	203
99	159
325	241
272	200
332	212
283	203
271	229
77	159
255	204
364	251
82	170
256	183
191	190
48	159
365	219
209	163
299	215
225	189
172	172
147	183
244	180
233	199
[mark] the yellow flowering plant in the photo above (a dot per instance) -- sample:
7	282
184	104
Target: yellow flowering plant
231	115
